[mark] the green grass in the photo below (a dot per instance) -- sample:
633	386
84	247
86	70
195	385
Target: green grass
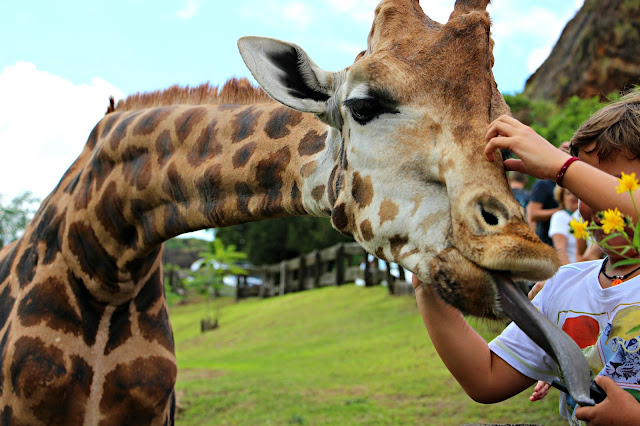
348	355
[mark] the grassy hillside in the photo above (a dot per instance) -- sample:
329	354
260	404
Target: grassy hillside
346	355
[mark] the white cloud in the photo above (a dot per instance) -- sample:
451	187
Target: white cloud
298	13
44	123
189	10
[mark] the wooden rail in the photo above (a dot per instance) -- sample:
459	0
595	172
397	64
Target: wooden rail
335	265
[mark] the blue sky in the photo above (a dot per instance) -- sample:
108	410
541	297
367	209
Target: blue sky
60	60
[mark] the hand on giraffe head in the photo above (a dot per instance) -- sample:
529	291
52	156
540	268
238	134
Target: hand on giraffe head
537	157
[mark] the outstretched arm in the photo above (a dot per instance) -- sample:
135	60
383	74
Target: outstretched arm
539	158
483	375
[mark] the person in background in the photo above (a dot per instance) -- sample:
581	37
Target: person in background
542	205
563	241
518	181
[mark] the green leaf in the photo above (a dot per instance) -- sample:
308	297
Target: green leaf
626	262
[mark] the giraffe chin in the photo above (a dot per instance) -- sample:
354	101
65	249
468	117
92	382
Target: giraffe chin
464	285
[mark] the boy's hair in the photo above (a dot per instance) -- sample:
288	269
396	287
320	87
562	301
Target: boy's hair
615	128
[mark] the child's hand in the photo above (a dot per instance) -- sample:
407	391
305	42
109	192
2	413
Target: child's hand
537	157
536	289
540	391
619	407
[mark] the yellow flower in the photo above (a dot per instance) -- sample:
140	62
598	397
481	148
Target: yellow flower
628	183
578	228
613	221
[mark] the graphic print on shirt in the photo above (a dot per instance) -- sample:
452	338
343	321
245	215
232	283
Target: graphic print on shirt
614	351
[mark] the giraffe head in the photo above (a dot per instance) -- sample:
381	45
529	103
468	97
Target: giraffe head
409	179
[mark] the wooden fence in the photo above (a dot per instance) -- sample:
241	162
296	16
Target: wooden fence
342	263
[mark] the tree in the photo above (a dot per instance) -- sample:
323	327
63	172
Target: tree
271	241
555	122
15	216
216	263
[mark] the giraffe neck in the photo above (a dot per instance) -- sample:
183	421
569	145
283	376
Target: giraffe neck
146	176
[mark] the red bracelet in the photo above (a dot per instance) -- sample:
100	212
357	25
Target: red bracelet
564	168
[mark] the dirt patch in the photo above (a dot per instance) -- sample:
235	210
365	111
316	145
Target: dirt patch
186	374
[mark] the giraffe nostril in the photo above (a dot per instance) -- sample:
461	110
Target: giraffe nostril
489	218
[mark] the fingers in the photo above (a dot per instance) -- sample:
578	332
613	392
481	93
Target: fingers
540	391
497	137
606	384
514	165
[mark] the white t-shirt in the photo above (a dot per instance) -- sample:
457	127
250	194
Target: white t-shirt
605	323
559	224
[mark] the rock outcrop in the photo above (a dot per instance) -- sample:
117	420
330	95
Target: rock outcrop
597	53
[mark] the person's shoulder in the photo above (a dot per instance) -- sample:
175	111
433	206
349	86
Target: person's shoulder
574	272
541	190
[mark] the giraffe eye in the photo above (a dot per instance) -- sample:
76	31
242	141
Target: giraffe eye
363	110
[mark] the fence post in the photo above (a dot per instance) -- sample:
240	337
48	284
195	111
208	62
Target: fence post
389	278
401	275
284	277
238	289
317	269
264	274
302	273
340	264
368	278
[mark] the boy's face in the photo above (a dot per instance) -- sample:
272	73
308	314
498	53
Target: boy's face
614	165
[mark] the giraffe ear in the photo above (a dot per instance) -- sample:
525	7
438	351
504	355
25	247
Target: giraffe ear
287	74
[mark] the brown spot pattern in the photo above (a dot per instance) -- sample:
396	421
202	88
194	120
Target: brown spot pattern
244	124
148	123
39	373
308	169
366	230
120	130
318	192
110	213
244	195
154	326
243	155
280	122
134	391
312	143
136	167
188	120
206	146
164	147
48	303
397	242
208	187
340	219
101	168
388	211
174	185
362	190
270	172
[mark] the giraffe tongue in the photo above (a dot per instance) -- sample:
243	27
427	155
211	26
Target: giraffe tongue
555	342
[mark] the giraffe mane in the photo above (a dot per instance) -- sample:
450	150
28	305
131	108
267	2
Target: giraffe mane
234	91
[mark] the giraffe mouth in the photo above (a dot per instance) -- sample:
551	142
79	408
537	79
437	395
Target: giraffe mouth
555	342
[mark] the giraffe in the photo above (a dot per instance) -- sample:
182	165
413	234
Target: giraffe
389	148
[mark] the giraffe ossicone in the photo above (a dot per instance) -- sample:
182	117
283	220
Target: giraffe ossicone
391	148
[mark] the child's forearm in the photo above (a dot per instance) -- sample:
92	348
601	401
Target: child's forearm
598	189
484	376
